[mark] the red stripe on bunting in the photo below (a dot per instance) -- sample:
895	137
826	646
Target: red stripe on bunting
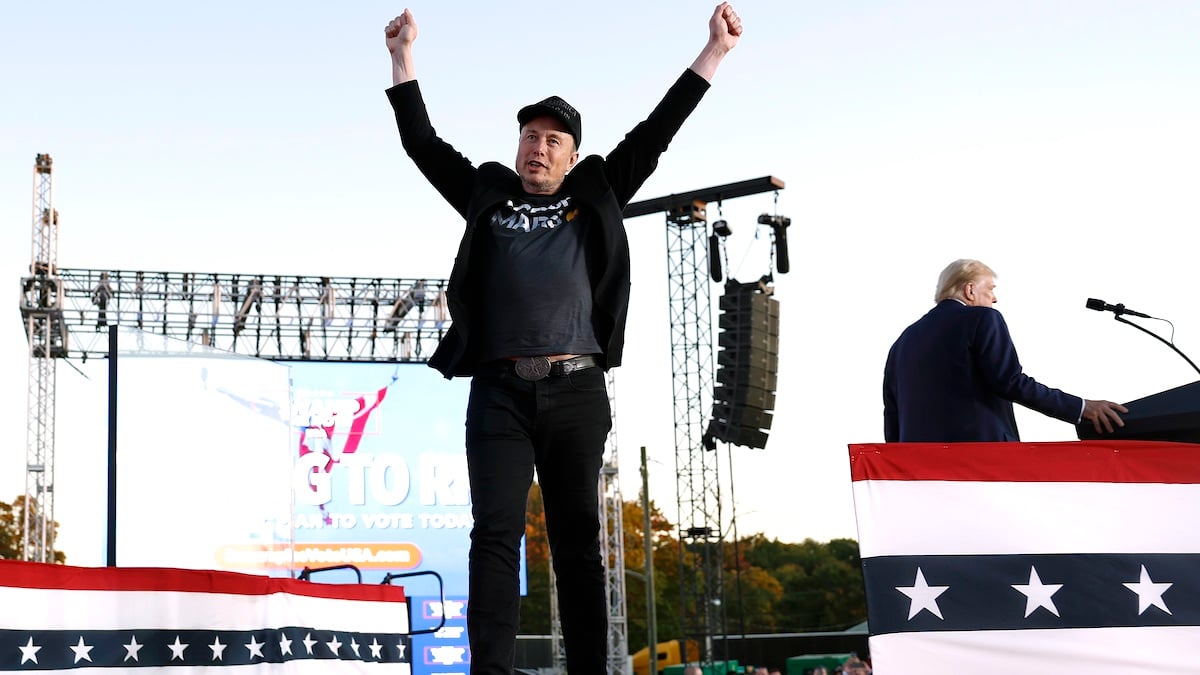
1074	461
21	574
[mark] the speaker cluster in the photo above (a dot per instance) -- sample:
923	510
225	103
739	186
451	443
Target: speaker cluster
747	363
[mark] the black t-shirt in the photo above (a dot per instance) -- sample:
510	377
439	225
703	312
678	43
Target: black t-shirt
538	298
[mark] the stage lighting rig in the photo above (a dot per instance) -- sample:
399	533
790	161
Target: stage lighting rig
253	300
715	241
101	294
779	225
413	297
328	301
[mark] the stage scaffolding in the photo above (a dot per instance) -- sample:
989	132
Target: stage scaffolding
698	486
277	317
67	314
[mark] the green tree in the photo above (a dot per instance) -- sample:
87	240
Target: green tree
12	528
10	531
752	593
822	583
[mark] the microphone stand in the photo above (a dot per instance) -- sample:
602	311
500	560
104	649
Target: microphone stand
1158	337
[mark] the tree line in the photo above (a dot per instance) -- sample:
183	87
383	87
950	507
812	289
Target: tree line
770	586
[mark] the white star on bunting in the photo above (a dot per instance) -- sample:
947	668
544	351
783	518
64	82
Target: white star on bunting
309	642
255	647
218	649
29	651
334	645
177	649
1149	593
1038	594
82	651
922	596
375	647
132	649
285	646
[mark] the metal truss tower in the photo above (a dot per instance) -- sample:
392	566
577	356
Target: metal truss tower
612	547
702	580
698	487
41	312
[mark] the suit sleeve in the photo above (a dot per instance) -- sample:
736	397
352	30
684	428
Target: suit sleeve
1002	372
451	174
891	413
636	156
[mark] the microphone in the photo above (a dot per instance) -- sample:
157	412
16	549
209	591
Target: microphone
1118	309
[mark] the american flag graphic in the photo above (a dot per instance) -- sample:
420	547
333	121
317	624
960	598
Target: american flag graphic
991	558
61	618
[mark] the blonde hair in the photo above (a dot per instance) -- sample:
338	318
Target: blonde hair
957	275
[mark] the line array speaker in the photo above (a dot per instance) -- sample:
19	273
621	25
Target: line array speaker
747	363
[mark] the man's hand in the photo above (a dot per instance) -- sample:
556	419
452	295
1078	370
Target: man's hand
399	35
1103	415
400	31
724	31
725	27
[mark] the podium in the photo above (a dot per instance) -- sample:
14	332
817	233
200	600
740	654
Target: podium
1171	415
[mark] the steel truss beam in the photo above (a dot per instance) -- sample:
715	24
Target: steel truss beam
277	317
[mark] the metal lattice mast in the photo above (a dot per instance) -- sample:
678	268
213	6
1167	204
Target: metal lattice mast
612	546
558	648
612	554
41	312
698	489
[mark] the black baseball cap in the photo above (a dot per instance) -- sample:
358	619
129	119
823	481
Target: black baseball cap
558	109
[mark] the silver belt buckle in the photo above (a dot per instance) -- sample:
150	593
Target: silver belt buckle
533	368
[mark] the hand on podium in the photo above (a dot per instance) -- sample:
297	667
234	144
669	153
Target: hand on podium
1103	415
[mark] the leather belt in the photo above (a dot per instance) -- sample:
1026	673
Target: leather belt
534	368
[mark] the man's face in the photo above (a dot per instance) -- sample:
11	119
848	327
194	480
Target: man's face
545	152
981	292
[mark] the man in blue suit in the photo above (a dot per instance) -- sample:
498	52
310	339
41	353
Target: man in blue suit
953	375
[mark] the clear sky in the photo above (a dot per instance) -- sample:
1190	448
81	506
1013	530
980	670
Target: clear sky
1056	141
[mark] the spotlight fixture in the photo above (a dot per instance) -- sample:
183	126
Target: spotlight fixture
405	304
779	225
722	228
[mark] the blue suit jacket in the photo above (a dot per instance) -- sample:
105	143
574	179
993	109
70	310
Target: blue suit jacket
953	376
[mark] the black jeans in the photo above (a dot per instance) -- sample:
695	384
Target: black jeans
557	425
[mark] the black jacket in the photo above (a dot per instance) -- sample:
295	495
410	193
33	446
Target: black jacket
602	185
